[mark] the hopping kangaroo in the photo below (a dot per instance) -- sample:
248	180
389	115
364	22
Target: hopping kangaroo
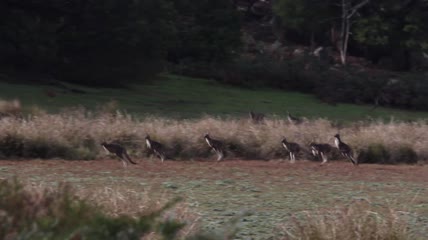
292	148
320	149
257	117
216	145
156	148
344	149
292	119
119	151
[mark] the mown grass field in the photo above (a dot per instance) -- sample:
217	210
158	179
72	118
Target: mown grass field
181	97
263	196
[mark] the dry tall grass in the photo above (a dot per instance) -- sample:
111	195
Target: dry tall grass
77	134
36	212
360	220
116	201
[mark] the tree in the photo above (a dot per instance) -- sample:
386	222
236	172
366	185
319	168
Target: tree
349	9
394	27
316	17
310	18
86	41
208	31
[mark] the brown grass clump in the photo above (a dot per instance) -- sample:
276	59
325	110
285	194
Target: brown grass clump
38	212
119	201
76	134
360	220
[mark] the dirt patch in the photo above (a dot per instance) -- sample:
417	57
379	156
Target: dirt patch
273	168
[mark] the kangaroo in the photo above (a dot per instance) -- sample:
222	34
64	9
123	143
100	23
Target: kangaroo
292	148
292	119
344	149
257	117
118	151
320	149
216	145
156	147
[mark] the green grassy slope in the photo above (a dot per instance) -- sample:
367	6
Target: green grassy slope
186	97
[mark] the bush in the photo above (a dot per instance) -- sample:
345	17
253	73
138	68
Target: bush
263	71
407	91
61	215
45	149
405	154
378	153
197	69
11	146
347	84
375	153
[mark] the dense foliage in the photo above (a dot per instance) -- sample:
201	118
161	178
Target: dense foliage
378	29
207	31
85	41
110	42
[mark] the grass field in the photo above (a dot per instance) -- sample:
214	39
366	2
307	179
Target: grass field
263	195
182	97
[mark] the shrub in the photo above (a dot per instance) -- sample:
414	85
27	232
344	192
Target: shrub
345	84
375	153
61	215
405	154
11	146
43	148
263	71
378	153
14	145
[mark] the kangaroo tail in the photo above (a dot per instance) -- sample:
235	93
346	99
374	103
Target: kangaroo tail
129	159
353	160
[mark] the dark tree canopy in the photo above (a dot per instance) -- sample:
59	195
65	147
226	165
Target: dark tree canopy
112	41
208	30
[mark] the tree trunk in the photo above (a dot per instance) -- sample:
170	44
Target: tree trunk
347	12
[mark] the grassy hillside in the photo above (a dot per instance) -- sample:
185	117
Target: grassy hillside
187	97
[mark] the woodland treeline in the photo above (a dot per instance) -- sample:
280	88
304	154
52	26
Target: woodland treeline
112	42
